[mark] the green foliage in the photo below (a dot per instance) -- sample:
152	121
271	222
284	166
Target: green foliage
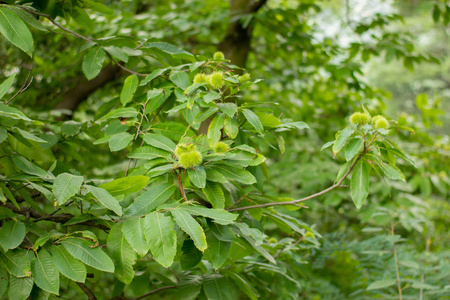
170	179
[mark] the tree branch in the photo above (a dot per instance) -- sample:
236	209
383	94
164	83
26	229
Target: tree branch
156	291
87	291
337	184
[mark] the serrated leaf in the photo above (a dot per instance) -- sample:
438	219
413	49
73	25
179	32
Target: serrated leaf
68	265
12	112
161	238
190	256
149	152
214	194
268	120
245	286
28	18
133	230
392	172
381	284
155	196
188	224
106	199
28	167
119	141
253	119
65	186
342	139
117	53
122	253
354	147
218	250
359	183
125	185
219	216
95	257
16	262
160	141
215	176
180	78
230	109
12	234
129	88
16	31
20	288
217	287
197	176
152	76
93	62
6	85
214	132
231	127
124	112
232	173
45	273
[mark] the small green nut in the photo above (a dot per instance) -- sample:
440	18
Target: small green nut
216	80
221	147
183	148
244	78
380	122
200	78
219	55
190	159
359	118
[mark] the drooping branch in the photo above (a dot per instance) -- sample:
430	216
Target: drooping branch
87	291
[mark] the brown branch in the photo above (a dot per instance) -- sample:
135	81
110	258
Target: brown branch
180	185
156	291
87	291
61	218
336	185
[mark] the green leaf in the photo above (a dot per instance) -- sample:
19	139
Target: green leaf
65	186
253	119
174	51
217	287
219	216
12	234
95	257
45	273
155	196
120	141
117	53
30	136
190	256
8	194
16	31
232	173
12	113
16	262
197	176
230	109
93	62
268	120
392	172
133	230
245	286
106	199
354	147
67	265
125	185
381	284
161	238
160	141
124	112
122	253
20	288
218	250
28	18
4	279
28	167
359	183
152	76
341	139
149	152
180	78
129	88
214	132
6	85
3	134
188	224
231	127
215	176
214	194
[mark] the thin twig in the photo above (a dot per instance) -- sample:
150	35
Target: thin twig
180	185
156	291
285	247
25	85
87	291
135	138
